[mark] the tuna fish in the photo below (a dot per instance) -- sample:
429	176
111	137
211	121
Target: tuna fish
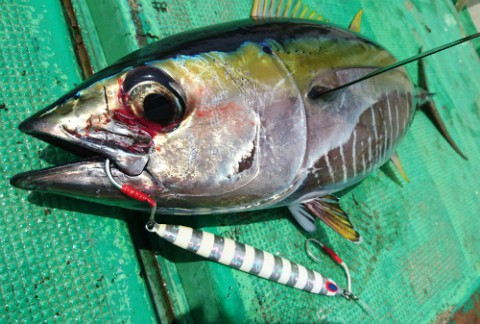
247	115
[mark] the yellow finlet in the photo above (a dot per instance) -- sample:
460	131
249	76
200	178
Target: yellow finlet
282	9
398	165
355	25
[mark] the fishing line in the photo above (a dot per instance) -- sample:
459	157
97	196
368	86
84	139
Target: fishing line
399	63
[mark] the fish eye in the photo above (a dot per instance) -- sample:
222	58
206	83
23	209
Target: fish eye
160	109
156	103
154	96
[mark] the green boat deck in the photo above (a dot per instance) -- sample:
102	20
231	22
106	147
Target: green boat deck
63	260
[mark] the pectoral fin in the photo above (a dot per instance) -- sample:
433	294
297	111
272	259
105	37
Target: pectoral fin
303	217
431	111
329	211
262	9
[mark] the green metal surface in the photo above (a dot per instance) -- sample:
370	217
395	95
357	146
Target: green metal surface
62	259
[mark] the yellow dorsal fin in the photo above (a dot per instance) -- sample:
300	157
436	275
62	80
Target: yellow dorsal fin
356	22
398	165
262	9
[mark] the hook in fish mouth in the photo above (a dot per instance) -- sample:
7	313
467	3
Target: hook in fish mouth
85	179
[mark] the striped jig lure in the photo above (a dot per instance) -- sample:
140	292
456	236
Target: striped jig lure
249	259
248	115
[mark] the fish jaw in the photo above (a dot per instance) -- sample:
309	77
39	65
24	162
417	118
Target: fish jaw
93	120
87	180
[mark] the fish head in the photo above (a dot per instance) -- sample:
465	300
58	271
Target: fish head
177	128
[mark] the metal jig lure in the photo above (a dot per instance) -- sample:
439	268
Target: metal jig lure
248	259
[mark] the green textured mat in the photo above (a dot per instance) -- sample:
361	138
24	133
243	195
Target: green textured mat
67	260
55	264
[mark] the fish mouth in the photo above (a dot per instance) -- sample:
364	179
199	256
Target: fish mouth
129	150
94	134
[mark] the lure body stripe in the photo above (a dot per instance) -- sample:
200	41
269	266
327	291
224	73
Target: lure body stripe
184	240
247	258
287	268
228	251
